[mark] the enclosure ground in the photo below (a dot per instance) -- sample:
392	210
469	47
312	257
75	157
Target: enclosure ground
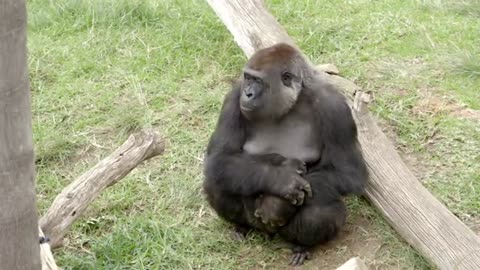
100	70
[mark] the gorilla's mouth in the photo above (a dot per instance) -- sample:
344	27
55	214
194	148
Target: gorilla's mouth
246	108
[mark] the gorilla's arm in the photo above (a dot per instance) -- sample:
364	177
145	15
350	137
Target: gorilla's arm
341	163
229	169
343	168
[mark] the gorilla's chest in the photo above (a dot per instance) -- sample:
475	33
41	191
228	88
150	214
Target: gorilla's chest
291	138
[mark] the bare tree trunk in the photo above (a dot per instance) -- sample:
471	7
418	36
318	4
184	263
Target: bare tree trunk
413	211
19	246
258	27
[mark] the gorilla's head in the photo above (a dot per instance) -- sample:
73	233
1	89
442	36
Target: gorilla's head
272	80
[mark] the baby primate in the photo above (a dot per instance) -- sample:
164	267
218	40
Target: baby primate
275	212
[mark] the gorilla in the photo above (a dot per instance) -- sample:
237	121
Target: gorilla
284	153
273	211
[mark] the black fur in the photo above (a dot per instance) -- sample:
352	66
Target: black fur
234	179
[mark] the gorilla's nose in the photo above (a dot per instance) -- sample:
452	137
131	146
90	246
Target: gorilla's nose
251	92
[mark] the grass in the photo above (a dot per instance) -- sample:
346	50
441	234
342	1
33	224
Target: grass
100	70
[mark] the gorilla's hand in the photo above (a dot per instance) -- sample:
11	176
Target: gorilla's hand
299	166
291	186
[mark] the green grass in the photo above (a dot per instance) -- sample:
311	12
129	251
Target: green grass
101	70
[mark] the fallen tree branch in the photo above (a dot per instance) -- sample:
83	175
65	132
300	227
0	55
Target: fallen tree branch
262	30
329	68
412	210
74	199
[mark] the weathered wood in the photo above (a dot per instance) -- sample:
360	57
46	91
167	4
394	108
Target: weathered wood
415	214
19	247
411	210
258	28
329	68
46	256
75	198
353	264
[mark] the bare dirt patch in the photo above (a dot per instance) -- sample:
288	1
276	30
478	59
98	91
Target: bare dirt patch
357	239
432	104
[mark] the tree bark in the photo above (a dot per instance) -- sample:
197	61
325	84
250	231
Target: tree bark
258	27
413	211
19	247
410	208
74	199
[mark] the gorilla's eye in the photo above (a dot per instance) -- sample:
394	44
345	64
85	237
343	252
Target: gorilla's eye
249	78
287	78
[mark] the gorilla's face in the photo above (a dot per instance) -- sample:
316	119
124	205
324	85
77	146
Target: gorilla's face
255	91
268	93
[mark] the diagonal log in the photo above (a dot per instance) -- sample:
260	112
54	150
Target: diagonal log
423	221
74	199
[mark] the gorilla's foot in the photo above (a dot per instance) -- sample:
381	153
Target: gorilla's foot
240	233
300	254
